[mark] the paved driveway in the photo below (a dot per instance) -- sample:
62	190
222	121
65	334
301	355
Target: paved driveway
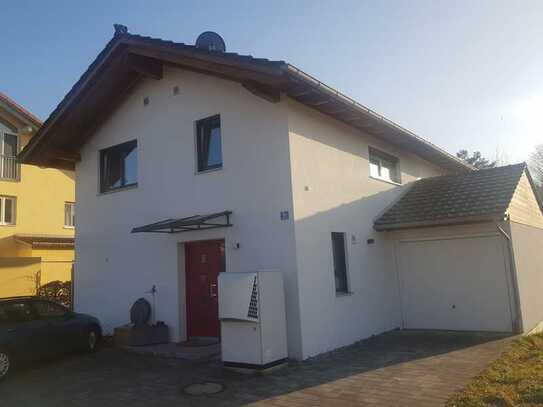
395	369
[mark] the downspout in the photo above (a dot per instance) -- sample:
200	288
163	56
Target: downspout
517	320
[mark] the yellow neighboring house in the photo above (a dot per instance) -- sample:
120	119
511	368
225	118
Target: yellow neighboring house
37	211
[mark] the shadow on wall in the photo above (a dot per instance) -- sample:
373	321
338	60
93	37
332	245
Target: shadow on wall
373	305
68	174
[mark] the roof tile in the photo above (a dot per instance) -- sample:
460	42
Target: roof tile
437	200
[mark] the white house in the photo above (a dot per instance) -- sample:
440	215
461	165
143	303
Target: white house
285	173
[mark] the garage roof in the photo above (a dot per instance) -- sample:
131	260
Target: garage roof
128	58
482	195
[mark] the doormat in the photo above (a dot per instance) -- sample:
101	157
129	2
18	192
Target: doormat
200	389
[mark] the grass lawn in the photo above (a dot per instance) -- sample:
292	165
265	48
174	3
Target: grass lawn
515	379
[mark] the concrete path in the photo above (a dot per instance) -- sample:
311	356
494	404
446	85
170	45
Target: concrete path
395	369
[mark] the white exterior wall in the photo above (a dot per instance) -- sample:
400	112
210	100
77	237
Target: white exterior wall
114	267
333	192
527	244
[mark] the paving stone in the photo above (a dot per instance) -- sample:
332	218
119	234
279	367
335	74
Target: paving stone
396	369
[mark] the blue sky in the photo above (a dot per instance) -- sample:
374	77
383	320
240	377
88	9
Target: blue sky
462	74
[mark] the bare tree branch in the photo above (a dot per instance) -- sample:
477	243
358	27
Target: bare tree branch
476	159
535	163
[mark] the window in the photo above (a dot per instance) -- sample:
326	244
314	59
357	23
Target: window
11	312
208	143
119	166
69	214
46	309
9	146
340	262
384	166
7	210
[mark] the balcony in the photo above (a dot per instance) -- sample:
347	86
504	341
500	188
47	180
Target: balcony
10	169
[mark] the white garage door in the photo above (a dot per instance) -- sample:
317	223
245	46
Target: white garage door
456	284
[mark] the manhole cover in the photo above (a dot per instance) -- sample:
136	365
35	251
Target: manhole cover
200	389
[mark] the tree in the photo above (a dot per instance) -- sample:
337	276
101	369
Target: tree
476	159
536	165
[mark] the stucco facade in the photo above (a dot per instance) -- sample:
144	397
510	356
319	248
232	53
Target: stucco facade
40	195
347	204
333	192
277	157
114	267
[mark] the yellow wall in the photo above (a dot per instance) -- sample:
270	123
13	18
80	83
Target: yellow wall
41	194
18	276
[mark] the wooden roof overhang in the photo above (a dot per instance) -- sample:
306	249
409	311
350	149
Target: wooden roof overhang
128	58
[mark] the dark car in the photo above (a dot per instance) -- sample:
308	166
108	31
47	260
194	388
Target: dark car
33	328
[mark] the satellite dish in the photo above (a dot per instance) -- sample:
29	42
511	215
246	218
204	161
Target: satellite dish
210	41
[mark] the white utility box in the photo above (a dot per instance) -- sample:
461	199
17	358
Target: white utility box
253	321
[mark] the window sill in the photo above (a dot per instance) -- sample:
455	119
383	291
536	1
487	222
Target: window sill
69	227
344	294
112	191
208	171
386	180
7	224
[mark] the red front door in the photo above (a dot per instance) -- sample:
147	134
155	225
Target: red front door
204	262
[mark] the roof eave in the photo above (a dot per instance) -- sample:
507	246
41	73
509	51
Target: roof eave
441	222
20	112
276	74
377	121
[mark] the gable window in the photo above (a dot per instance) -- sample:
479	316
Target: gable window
7	210
209	143
119	166
69	214
340	262
384	166
9	146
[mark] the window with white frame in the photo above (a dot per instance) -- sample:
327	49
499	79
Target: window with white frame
69	214
384	166
7	210
9	146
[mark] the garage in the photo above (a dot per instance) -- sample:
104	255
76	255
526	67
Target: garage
460	283
467	251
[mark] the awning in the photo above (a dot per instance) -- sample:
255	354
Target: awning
45	241
189	224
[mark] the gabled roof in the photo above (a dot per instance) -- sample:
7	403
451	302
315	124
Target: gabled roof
482	195
128	57
19	111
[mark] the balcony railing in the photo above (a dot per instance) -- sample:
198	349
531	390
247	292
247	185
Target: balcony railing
10	169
